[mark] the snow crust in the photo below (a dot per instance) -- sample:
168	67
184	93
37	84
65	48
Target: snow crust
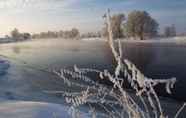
22	109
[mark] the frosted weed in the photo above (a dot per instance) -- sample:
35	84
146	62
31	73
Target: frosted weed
115	101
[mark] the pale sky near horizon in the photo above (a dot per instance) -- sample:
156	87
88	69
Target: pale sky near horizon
86	15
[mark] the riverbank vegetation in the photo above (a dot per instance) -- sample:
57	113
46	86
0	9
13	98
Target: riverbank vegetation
65	34
136	25
115	101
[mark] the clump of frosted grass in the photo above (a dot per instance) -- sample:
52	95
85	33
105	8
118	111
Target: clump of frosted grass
115	101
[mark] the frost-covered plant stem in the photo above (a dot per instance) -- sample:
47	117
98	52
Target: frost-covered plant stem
116	96
142	80
180	110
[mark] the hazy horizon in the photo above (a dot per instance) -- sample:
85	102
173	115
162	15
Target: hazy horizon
86	15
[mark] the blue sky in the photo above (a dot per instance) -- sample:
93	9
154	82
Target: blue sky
43	15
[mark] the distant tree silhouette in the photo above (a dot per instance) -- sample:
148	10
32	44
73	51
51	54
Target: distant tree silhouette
91	35
140	24
170	31
116	25
73	33
15	34
26	36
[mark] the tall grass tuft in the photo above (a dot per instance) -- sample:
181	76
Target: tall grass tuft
115	101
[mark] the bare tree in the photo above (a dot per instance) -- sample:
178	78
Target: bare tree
74	33
116	26
141	24
170	31
15	34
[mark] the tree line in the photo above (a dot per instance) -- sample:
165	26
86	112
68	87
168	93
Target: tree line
18	36
68	34
138	25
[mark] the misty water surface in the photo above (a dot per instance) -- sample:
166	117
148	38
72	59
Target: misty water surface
155	60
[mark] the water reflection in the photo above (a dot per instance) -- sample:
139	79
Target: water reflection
160	61
153	59
140	55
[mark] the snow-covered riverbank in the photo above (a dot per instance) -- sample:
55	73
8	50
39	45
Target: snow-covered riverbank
23	87
23	109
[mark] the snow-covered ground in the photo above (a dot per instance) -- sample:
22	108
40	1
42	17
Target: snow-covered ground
93	39
153	40
22	109
14	98
159	40
19	99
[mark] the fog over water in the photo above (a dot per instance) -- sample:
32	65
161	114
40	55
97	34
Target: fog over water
28	59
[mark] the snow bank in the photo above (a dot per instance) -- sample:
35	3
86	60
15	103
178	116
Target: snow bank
30	109
93	39
20	109
158	40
